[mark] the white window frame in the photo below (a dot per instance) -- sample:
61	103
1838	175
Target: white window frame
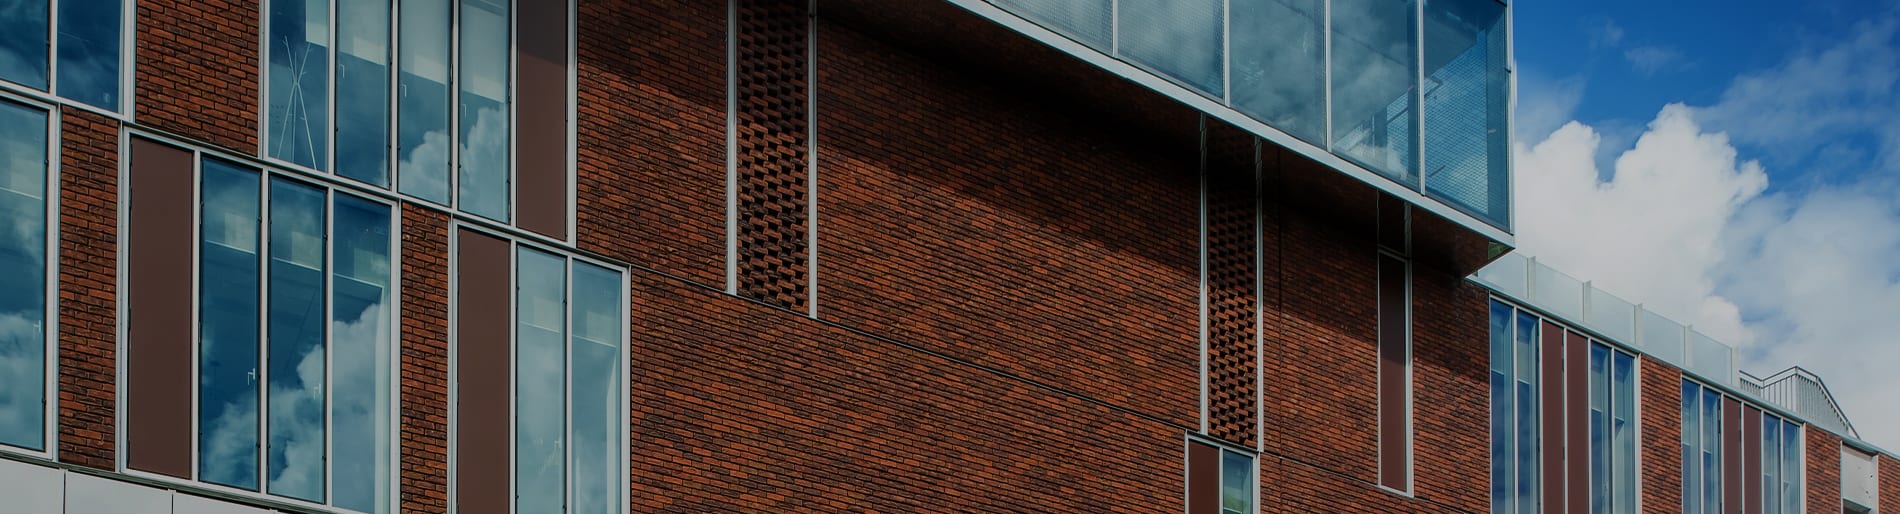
128	35
50	282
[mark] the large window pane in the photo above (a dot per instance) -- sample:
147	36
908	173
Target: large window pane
1467	102
1771	464
1791	467
362	90
422	127
1599	429
1086	21
598	455
360	346
89	51
228	374
1623	431
1375	84
297	81
1278	58
23	44
1711	451
1691	448
540	375
1179	38
296	356
23	287
1526	406
1236	483
1502	421
484	110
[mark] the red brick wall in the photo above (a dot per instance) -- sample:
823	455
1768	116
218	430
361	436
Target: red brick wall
976	222
197	70
1293	487
738	407
88	287
424	347
1661	419
1450	394
1823	471
1232	321
1889	482
652	134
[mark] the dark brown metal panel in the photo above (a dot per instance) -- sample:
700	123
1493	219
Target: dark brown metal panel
159	252
1751	427
1392	223
1394	361
1732	457
1576	421
1203	479
482	369
541	114
1552	401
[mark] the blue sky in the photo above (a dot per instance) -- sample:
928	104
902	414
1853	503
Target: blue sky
1734	165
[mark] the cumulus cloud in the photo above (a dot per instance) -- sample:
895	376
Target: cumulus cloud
1649	60
1805	274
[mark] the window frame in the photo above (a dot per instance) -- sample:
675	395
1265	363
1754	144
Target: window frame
519	240
128	64
50	281
267	171
1222	450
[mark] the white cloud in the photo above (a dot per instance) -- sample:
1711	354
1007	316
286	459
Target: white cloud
1604	33
1649	60
1808	274
22	381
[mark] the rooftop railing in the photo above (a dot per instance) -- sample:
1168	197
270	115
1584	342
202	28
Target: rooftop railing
1418	91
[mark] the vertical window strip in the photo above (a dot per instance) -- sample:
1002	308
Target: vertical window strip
68	48
1514	415
24	311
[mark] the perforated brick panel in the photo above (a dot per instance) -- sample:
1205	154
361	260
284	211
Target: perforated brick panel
774	40
1231	250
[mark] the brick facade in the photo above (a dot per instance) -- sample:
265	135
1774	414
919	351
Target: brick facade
1660	391
424	351
88	287
1889	482
1823	473
197	70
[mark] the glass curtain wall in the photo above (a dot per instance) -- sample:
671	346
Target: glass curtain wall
1514	444
294	339
569	385
1701	449
23	337
1612	430
85	50
1780	465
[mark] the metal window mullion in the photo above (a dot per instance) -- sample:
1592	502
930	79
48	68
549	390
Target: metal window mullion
263	331
329	335
392	115
567	384
128	15
330	107
1418	91
811	153
452	80
1227	52
732	147
52	47
1326	67
508	99
197	292
514	368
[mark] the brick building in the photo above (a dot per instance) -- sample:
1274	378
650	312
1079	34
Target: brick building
846	255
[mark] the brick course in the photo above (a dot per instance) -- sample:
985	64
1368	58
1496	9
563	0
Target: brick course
1823	474
1661	392
88	287
197	70
424	350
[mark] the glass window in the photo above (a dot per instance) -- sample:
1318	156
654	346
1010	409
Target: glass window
599	456
87	47
1526	405
1623	431
1467	103
1771	464
23	338
485	112
1278	54
1791	467
1502	422
1088	21
362	90
1599	429
1375	85
422	125
540	375
1702	449
1236	489
1691	448
297	82
322	363
1514	422
1182	39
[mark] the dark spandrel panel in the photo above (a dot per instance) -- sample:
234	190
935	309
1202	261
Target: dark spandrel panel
23	286
1278	59
540	376
1374	74
297	358
1394	364
423	143
482	371
229	374
1467	102
361	353
541	118
1182	39
297	82
89	48
23	45
158	347
362	90
1087	21
1203	478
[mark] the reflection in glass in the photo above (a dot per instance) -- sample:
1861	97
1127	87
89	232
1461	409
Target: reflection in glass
1599	429
1771	464
23	285
1691	448
360	353
598	456
1088	21
23	44
1374	85
1527	472
1467	95
422	125
1711	451
296	356
297	81
362	90
484	110
540	353
1236	483
1278	57
1179	38
1501	419
1791	467
89	51
1623	430
228	371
